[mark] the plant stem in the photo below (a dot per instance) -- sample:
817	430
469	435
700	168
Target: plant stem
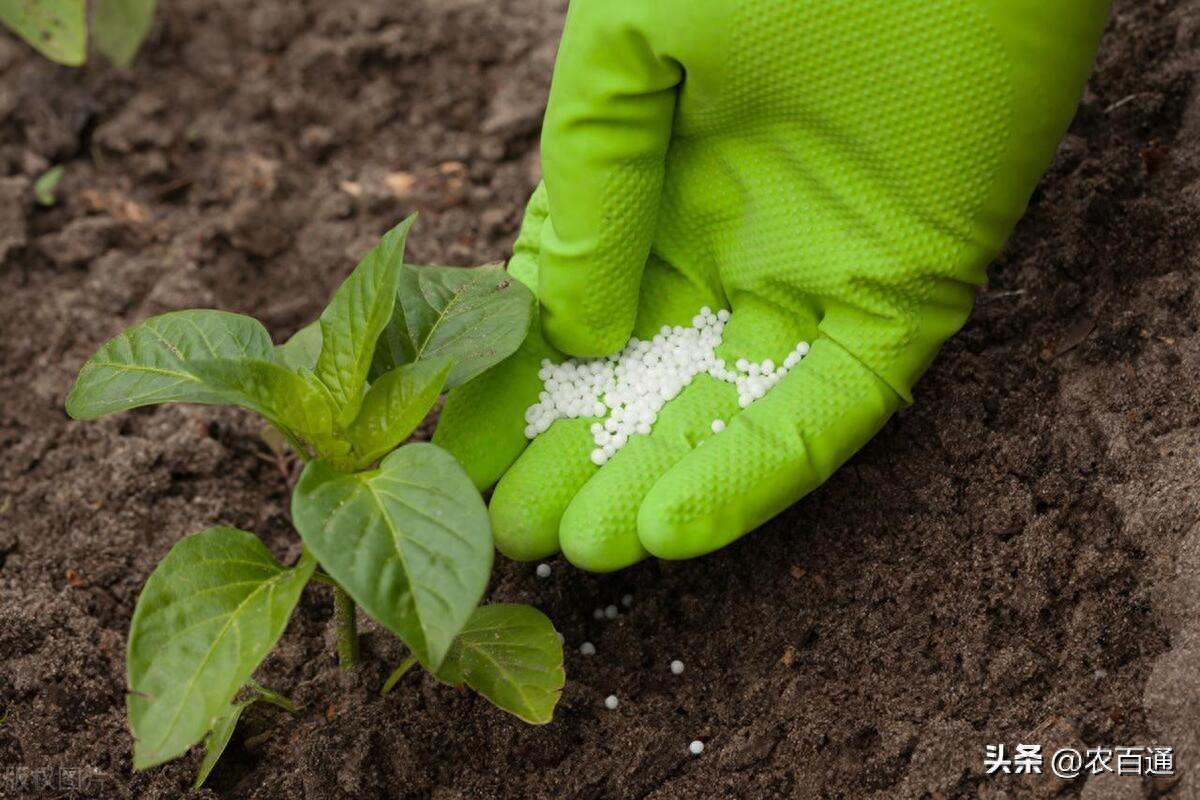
395	677
321	577
347	628
294	441
273	697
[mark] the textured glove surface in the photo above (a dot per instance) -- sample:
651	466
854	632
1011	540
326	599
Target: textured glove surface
839	172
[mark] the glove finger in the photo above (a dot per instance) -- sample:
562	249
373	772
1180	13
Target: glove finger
604	143
529	502
770	455
599	528
598	531
530	499
482	423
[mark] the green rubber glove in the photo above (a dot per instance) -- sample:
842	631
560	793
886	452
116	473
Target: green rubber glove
839	172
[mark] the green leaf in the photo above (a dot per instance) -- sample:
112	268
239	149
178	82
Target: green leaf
218	738
511	655
119	26
209	614
476	317
45	186
150	362
394	406
282	396
357	314
303	349
55	28
410	542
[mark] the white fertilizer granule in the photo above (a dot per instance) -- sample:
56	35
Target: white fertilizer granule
628	390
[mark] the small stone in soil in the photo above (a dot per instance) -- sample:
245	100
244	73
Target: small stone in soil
611	702
627	600
587	649
543	570
610	612
677	667
696	747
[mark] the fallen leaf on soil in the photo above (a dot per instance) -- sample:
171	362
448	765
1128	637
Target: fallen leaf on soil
255	742
93	200
131	212
400	184
1154	154
1071	338
789	656
253	172
73	578
116	205
797	571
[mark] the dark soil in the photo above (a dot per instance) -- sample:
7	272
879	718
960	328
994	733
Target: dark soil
1015	559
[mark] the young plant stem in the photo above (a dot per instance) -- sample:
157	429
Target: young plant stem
395	677
347	628
297	446
273	697
344	609
321	577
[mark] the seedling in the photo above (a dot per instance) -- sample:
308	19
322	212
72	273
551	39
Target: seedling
45	186
58	28
398	530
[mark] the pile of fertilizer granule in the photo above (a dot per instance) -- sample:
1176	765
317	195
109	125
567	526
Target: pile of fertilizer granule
626	391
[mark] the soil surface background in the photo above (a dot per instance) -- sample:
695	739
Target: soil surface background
1014	559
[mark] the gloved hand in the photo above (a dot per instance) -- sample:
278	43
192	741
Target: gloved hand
838	172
